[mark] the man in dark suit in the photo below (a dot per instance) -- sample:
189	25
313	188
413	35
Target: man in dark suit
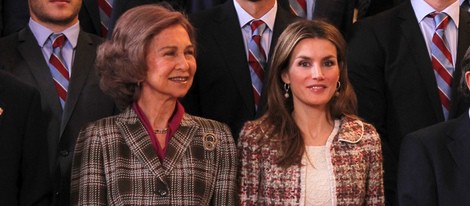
389	62
337	12
27	54
434	166
222	87
24	167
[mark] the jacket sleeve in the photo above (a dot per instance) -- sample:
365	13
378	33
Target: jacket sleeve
88	185
249	169
375	186
226	183
416	184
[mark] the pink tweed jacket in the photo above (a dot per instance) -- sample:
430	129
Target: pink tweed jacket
356	158
116	164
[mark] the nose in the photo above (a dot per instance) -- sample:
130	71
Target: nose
183	63
316	72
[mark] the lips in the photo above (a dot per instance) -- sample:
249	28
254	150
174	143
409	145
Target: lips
60	1
179	79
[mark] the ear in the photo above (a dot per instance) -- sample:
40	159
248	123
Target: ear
467	79
285	78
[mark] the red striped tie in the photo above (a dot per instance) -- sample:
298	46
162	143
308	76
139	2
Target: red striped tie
298	7
58	68
256	59
105	7
442	61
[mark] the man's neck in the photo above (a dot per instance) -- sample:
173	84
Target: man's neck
256	8
439	5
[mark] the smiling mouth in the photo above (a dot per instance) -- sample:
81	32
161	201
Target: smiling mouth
179	79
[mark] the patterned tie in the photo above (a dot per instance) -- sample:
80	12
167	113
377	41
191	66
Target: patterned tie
442	61
105	7
298	7
58	67
256	59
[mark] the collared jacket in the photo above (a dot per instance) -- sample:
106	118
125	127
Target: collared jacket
116	164
355	155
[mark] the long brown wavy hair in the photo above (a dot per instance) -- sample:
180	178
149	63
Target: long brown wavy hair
283	129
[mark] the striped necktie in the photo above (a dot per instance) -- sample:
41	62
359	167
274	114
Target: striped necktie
441	59
58	67
256	59
105	7
298	7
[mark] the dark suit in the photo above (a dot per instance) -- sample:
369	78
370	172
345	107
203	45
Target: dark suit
390	69
337	12
14	15
89	17
24	169
21	55
434	165
222	86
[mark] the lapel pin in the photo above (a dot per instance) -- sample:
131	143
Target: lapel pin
209	141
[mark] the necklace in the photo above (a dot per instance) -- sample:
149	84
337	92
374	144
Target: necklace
160	131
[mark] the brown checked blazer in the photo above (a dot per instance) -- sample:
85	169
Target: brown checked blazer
116	164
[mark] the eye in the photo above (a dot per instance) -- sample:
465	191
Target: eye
304	64
189	52
170	53
329	63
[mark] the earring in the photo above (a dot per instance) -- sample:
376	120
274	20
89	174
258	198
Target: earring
286	89
338	86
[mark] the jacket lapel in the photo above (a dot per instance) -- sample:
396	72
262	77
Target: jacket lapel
180	143
411	31
459	143
230	37
138	141
93	9
32	54
83	64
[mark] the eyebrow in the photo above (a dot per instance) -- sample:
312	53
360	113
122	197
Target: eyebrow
175	47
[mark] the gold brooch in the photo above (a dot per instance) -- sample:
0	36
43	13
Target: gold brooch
209	141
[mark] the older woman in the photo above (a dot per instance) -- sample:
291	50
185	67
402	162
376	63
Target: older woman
310	148
152	153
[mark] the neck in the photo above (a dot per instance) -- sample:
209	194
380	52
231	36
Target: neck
157	111
314	125
439	5
256	8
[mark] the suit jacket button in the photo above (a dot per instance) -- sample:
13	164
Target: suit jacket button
64	153
162	193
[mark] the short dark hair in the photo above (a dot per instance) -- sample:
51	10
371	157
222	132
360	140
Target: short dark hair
121	61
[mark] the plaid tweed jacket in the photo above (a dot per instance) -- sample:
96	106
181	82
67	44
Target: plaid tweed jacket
116	164
355	154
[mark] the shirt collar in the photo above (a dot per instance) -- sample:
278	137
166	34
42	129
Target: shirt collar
244	17
42	33
422	9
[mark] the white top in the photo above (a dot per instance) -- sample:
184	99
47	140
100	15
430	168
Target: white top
319	188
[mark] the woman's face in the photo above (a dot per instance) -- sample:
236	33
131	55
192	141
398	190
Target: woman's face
171	64
313	73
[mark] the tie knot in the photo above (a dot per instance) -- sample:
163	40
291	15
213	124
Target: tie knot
257	27
58	40
441	19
